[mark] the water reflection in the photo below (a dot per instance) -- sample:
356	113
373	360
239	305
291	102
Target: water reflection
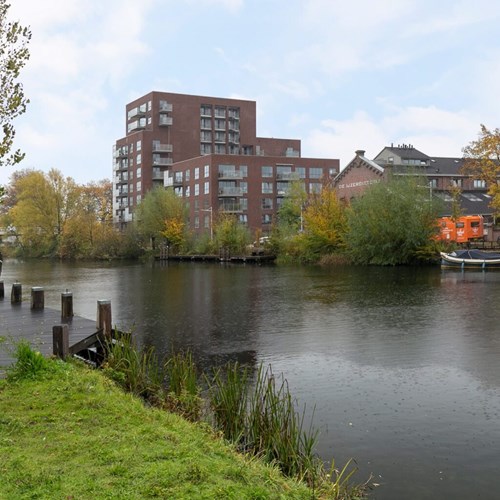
400	363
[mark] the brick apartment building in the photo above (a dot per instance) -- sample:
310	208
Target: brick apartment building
442	174
207	150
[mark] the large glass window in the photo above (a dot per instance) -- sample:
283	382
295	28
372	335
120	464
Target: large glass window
301	172
479	183
196	189
267	187
197	173
206	170
267	171
315	173
207	187
267	203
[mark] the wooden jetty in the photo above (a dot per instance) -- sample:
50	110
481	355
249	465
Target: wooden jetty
223	257
47	330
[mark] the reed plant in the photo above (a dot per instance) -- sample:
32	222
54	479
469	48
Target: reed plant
137	371
228	391
183	390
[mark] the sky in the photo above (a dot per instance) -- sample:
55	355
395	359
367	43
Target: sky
339	75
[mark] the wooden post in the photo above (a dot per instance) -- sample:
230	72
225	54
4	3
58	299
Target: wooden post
60	341
104	317
37	298
2	290
66	305
16	295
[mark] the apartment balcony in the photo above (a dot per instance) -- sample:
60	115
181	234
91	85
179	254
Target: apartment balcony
121	165
122	192
233	125
165	121
162	162
287	176
137	125
231	174
231	208
136	112
120	153
122	180
230	191
157	174
163	148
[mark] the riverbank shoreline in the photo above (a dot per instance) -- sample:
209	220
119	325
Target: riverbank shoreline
74	432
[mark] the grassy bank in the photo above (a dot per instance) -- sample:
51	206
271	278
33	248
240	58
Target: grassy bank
69	432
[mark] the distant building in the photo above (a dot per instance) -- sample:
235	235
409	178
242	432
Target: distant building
206	149
442	173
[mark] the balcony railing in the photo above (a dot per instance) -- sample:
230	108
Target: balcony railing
165	121
162	148
162	162
230	207
157	174
231	174
165	107
230	191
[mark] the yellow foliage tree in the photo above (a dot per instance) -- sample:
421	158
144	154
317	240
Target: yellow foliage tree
325	223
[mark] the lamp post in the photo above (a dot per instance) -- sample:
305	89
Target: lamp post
211	221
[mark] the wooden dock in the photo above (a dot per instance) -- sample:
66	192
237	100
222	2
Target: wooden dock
20	321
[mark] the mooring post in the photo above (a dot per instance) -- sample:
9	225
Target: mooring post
37	298
60	341
16	295
104	317
2	290
66	305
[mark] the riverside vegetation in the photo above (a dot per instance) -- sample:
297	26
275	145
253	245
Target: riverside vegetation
68	431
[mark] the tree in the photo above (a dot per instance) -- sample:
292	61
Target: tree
291	210
14	54
325	223
392	222
230	234
155	215
482	161
41	204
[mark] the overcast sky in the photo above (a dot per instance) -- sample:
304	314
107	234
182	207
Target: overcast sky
339	75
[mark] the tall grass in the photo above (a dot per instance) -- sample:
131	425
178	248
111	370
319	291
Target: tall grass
259	417
29	364
137	371
184	392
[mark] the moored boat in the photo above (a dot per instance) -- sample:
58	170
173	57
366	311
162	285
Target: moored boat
475	259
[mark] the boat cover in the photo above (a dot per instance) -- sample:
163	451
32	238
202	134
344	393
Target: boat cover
474	254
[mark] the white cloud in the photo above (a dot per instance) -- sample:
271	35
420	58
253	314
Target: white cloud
433	131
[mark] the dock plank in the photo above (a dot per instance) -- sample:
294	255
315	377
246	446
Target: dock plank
18	321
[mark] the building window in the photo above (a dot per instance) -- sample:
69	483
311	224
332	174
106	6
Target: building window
283	172
456	183
244	204
267	187
220	112
205	110
196	221
207	221
220	124
138	198
187	192
315	187
206	136
138	146
315	173
205	149
433	183
301	172
138	185
282	187
266	219
206	123
138	172
197	173
196	189
243	219
138	159
267	203
244	170
479	183
207	188
220	149
187	175
196	204
267	171
244	187
207	170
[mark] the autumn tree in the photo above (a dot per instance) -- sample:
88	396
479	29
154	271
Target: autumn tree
291	210
161	214
325	223
14	54
230	234
482	161
392	223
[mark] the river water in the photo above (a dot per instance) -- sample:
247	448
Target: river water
401	365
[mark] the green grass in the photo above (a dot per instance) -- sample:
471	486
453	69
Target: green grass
70	432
